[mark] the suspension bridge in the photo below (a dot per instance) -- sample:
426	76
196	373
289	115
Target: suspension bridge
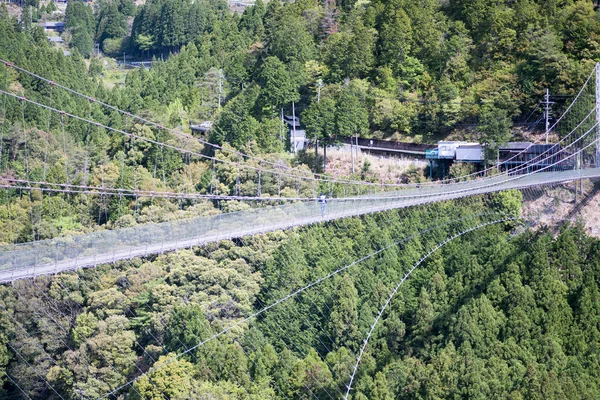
57	255
578	130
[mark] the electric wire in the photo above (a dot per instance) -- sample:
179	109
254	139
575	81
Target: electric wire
406	276
269	307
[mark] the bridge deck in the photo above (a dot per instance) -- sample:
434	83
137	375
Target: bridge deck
62	254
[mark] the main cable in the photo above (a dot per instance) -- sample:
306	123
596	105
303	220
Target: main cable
406	276
272	305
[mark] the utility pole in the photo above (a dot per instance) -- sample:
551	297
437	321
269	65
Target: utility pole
547	102
357	149
352	151
320	83
220	86
293	127
282	130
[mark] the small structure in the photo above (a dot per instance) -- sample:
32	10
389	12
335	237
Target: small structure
299	142
512	148
202	128
56	26
469	152
456	151
136	64
389	148
447	152
526	157
514	157
292	121
55	39
297	136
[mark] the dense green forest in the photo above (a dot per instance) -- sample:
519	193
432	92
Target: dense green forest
500	313
416	70
492	315
403	68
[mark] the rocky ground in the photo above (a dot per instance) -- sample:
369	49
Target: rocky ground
555	205
378	169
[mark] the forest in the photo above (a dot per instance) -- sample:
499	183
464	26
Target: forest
504	312
404	69
497	314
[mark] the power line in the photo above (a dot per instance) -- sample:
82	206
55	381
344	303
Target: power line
308	177
146	121
95	190
547	104
269	307
389	299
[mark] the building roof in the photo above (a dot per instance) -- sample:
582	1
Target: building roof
52	24
203	126
291	121
516	146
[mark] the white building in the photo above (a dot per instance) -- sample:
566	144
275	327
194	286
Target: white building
297	135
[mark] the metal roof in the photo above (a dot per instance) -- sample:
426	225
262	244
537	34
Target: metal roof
53	24
291	121
203	127
515	146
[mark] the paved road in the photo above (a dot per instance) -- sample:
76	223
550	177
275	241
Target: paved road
62	254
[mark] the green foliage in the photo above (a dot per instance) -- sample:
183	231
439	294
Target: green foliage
344	315
350	54
187	327
111	20
80	15
82	41
508	201
278	86
319	119
236	124
51	7
174	379
79	18
4	359
289	40
494	315
490	315
395	36
495	129
311	376
112	47
461	169
168	25
85	325
352	118
427	68
252	19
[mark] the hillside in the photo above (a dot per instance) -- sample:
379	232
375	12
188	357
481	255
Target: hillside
492	315
503	310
